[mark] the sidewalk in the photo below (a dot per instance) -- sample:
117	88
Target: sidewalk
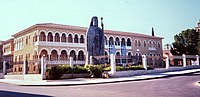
85	81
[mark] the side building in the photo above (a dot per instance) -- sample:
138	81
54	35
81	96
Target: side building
7	56
59	42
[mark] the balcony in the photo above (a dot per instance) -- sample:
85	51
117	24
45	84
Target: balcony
152	48
64	44
118	47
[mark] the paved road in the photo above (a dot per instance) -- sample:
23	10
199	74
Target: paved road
179	86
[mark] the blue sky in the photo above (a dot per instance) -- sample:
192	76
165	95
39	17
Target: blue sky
168	17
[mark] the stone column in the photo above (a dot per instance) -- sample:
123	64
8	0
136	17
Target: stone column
43	67
144	61
184	60
71	62
167	62
25	65
91	61
197	59
113	64
4	68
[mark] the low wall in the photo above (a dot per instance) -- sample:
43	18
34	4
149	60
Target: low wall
31	77
1	76
83	75
143	72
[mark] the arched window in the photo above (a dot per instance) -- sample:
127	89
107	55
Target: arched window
73	54
136	43
144	43
80	55
63	38
70	38
158	44
139	43
82	39
128	42
123	42
117	42
76	39
111	41
105	40
54	55
42	36
63	55
57	37
50	37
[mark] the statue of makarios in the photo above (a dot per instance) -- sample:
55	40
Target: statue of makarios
95	41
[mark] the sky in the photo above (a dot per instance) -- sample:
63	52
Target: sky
167	17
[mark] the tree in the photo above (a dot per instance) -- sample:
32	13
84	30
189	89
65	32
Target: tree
187	42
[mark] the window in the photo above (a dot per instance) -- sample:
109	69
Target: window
144	43
128	42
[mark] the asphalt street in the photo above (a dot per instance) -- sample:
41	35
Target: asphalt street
177	86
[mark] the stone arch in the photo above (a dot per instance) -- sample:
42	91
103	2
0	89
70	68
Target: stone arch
35	54
54	55
44	52
105	40
42	36
117	53
111	41
50	36
128	42
57	37
72	54
144	43
70	38
63	37
63	55
117	41
129	53
82	39
76	38
158	43
123	42
81	55
106	52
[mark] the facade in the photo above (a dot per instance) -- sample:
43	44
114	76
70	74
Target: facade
59	42
8	48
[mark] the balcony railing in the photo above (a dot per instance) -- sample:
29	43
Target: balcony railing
46	43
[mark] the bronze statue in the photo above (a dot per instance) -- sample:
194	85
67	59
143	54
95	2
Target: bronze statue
95	39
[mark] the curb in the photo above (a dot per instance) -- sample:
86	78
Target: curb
103	81
126	80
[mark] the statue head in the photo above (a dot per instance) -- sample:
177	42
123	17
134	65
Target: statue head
94	21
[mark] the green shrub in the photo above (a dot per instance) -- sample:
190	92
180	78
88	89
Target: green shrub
95	70
79	69
55	72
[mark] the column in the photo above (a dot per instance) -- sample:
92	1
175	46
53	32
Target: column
91	61
167	62
184	60
197	59
144	61
46	38
4	68
43	67
25	65
71	62
113	64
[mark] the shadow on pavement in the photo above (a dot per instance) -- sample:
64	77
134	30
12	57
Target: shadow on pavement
18	94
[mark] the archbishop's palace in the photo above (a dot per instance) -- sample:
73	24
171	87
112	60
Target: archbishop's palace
59	42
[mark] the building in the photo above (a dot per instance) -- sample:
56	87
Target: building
1	54
198	27
7	56
59	42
